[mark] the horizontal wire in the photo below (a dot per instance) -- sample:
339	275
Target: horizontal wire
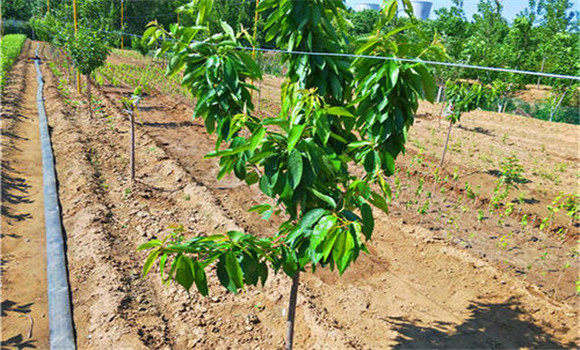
411	60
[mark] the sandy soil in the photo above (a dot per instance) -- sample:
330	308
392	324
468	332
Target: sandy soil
23	261
417	289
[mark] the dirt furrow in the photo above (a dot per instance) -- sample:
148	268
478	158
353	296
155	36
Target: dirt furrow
413	291
23	262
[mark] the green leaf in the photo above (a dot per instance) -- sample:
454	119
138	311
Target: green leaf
236	236
295	168
342	250
368	221
318	235
234	270
327	199
294	136
151	244
200	278
340	111
252	178
162	262
310	218
379	202
224	277
329	244
150	260
184	274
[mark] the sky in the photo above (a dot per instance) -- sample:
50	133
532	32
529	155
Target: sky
510	10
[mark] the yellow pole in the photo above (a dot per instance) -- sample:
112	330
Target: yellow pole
122	22
76	32
254	44
255	28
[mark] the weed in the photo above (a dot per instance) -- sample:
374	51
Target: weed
480	215
524	221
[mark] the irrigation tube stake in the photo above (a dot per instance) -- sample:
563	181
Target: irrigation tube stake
59	307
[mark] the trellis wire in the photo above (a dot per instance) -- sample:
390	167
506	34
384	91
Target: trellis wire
386	58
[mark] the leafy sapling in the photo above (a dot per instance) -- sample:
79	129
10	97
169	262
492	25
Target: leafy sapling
334	112
131	107
88	51
462	97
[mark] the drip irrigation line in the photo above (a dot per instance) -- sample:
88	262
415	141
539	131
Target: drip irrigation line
386	58
60	320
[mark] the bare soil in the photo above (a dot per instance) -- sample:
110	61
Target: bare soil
426	284
23	262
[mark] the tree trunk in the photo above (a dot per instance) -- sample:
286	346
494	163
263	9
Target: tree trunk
446	142
89	95
439	94
555	109
132	136
292	311
541	71
441	114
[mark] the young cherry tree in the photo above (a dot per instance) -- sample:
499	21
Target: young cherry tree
462	97
334	113
89	51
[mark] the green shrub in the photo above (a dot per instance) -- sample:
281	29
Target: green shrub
10	46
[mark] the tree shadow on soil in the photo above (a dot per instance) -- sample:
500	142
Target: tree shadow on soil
14	191
490	326
17	342
169	125
12	306
477	129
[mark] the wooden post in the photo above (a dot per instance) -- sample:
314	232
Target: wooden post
122	22
47	6
76	24
177	18
254	45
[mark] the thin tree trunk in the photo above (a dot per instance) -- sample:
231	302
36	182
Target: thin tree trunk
132	136
541	70
441	114
89	95
292	311
439	93
555	109
259	94
446	142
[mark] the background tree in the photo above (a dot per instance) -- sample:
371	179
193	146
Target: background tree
462	97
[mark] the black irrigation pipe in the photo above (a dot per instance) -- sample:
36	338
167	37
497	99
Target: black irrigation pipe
62	334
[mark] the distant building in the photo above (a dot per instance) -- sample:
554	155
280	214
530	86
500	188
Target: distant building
421	9
363	6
